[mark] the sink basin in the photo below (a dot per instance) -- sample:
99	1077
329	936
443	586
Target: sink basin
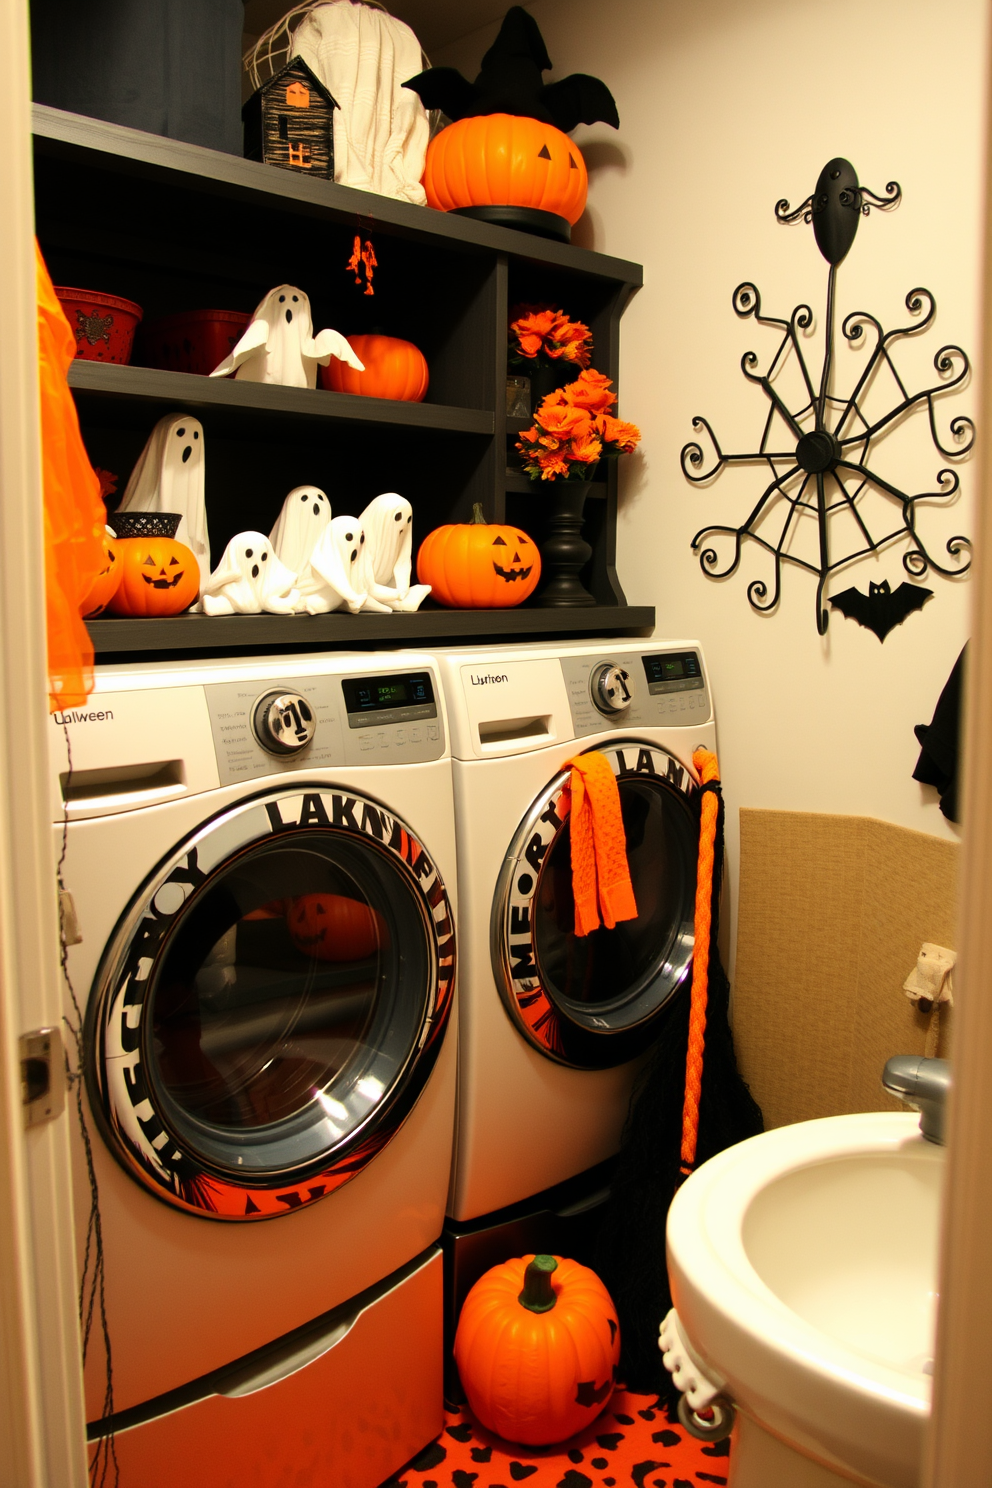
803	1266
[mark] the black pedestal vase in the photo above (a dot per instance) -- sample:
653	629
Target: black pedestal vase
564	551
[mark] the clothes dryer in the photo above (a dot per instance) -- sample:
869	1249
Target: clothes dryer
261	857
553	1026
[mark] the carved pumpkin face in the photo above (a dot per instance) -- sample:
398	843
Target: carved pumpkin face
478	565
505	160
160	577
332	927
104	586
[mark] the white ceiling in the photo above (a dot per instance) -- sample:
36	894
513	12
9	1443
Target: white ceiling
436	22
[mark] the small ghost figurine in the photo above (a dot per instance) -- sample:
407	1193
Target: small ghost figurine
280	346
250	579
305	513
388	553
169	478
328	582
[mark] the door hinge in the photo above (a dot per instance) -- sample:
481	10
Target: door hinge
42	1075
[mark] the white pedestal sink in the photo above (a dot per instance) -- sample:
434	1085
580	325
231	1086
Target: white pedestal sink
803	1266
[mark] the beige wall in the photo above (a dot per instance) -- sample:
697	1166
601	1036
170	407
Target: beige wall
721	114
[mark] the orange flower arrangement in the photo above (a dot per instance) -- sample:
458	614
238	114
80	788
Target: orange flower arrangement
546	336
574	429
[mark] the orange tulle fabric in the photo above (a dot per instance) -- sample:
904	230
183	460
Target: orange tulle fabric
74	513
601	885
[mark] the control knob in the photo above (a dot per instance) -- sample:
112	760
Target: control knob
283	722
611	688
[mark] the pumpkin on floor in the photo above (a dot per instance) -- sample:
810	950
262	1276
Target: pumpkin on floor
104	586
537	1348
479	565
394	369
159	576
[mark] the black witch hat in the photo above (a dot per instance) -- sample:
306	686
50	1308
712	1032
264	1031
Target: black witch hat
510	83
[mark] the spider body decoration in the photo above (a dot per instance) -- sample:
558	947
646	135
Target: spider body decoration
819	457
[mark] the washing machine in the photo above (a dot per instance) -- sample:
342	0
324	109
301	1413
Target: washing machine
261	861
553	1028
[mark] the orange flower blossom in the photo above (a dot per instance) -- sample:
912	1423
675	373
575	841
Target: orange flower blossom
572	431
539	333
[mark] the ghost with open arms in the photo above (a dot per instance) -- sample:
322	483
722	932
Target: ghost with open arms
279	345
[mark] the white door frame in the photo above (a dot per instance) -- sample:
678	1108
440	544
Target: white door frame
42	1421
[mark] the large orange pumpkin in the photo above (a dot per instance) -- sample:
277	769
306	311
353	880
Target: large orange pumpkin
393	369
159	576
333	927
506	160
479	565
104	586
537	1348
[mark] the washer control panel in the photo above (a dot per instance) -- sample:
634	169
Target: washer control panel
611	688
305	723
650	688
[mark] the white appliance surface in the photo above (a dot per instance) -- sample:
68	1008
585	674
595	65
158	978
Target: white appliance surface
517	716
156	752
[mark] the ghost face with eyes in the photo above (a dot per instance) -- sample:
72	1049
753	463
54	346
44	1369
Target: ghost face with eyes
169	477
388	557
305	513
280	346
329	580
250	579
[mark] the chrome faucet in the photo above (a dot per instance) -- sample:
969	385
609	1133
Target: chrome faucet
924	1084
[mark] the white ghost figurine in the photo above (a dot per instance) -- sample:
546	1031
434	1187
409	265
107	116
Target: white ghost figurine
280	346
169	478
387	556
249	579
328	581
305	513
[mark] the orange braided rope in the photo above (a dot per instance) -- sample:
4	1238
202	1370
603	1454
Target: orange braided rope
708	769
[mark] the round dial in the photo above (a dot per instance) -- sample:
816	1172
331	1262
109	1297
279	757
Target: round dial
611	688
283	722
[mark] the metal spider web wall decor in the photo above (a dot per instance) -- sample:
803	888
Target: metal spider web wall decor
820	455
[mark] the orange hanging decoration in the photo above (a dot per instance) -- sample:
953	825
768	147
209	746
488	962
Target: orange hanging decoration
371	263
354	263
74	513
708	769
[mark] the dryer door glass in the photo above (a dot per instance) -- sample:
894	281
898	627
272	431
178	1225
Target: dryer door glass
272	1015
591	1001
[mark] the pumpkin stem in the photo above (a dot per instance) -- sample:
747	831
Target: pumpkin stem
538	1294
478	520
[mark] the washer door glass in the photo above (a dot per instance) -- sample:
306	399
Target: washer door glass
268	1021
589	1001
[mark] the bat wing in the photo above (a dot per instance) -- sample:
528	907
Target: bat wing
580	99
900	603
444	88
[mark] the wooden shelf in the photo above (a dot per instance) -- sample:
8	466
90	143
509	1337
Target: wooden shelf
255	633
151	393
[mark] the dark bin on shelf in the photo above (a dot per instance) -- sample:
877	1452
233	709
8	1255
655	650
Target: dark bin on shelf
171	67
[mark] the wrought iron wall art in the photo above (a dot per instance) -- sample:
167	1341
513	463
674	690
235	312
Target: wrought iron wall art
820	455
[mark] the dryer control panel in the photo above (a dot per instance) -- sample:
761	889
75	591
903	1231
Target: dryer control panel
652	689
308	722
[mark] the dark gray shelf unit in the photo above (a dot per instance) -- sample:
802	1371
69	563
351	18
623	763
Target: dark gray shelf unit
176	227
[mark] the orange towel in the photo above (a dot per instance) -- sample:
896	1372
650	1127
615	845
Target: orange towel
601	883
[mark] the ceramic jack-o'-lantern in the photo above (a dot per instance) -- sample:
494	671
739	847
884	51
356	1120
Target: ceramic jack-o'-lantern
479	565
159	576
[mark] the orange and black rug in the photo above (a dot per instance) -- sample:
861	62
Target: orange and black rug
635	1441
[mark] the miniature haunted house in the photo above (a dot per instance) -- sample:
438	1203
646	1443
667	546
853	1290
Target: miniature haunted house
289	121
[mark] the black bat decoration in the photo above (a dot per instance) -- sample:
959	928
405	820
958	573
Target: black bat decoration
881	610
510	82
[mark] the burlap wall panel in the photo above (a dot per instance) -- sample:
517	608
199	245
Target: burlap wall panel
833	911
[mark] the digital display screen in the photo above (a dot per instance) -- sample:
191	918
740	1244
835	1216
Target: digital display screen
379	694
672	668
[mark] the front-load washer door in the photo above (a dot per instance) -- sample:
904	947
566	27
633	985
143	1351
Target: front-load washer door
271	1003
589	1001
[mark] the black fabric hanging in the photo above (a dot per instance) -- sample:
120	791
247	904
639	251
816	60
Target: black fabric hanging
941	743
631	1252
